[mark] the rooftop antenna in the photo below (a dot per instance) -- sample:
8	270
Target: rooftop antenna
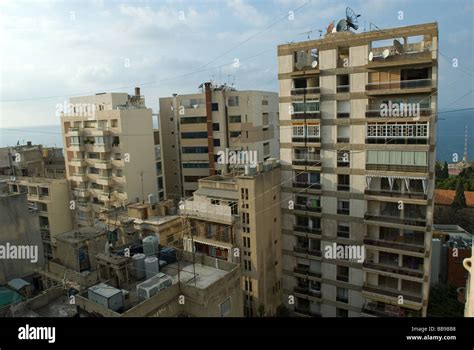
464	158
311	31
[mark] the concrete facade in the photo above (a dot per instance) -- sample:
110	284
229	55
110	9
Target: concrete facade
355	176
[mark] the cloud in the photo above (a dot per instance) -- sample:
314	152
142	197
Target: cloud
247	13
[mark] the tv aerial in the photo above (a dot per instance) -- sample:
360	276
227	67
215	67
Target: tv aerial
350	21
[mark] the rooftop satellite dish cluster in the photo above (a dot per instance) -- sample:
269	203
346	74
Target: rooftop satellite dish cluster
396	49
344	25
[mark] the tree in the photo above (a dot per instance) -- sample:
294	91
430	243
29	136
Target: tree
445	173
438	170
459	201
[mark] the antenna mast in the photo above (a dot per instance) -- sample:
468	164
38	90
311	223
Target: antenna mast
465	145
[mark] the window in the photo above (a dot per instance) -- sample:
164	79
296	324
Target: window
343	182
235	119
342	295
195	165
194	135
298	131
193	120
215	202
343	229
235	134
114	123
195	150
215	126
266	148
312	130
233	101
215	107
247	265
217	142
343	207
225	307
342	273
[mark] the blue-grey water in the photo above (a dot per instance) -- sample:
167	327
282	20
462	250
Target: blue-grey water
451	127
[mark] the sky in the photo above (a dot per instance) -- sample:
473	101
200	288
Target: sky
53	50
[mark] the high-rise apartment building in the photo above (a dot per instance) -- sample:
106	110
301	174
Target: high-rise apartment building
237	218
358	135
195	127
110	152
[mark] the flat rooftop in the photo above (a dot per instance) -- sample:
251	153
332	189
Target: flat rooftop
201	276
81	234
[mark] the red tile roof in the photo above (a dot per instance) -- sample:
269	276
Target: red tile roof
446	197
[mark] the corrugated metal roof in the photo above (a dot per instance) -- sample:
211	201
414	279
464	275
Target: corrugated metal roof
217	193
104	290
8	296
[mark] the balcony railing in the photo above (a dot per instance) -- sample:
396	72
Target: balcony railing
413	247
343	211
306	272
307	250
301	228
343	115
400	168
307	139
388	193
307	312
304	207
343	140
306	115
306	90
342	299
312	186
394	216
394	293
343	88
343	187
306	161
308	291
343	278
403	84
394	269
374	111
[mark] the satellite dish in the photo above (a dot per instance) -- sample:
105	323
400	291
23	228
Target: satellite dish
342	26
371	56
314	64
385	53
351	18
398	46
302	59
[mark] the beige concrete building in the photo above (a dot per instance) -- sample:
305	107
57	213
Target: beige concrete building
195	127
199	286
20	239
237	218
160	178
50	197
109	151
358	135
32	160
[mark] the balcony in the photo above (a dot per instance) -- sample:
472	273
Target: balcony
104	180
396	194
343	115
406	58
306	90
308	291
344	187
343	140
375	111
80	193
306	115
342	278
343	211
342	299
307	312
398	168
403	86
306	272
393	269
306	140
308	186
78	177
304	207
74	131
412	247
208	212
103	164
386	292
343	88
410	218
77	162
301	160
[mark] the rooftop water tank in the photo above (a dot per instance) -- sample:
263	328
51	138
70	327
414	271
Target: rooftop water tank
152	266
139	266
150	246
